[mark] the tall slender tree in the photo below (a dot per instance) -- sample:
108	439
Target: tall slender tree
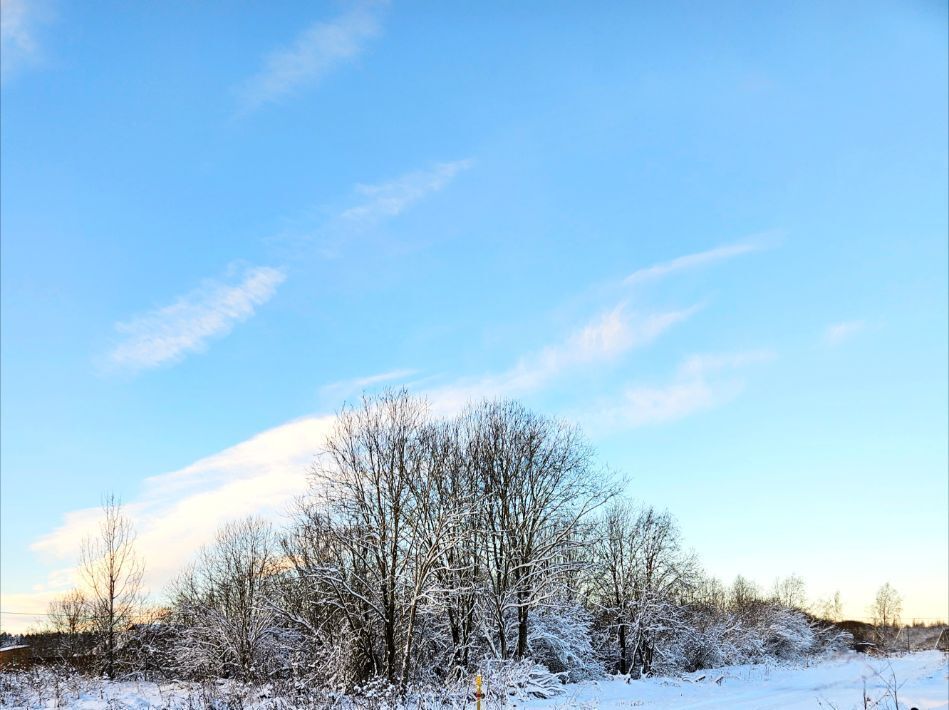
112	571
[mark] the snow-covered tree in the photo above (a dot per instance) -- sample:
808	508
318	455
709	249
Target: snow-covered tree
373	482
639	577
536	484
223	606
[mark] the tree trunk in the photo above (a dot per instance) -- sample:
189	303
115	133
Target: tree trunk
390	644
521	626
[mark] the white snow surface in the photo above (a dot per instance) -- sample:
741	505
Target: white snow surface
921	679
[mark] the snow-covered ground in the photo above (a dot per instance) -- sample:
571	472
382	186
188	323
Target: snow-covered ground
920	680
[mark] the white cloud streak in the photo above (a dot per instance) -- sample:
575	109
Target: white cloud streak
838	333
166	335
390	199
376	203
18	44
318	50
700	383
691	261
604	338
344	388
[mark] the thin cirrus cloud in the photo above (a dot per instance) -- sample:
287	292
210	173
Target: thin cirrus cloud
317	51
19	20
609	335
345	388
701	382
693	261
166	335
606	337
391	198
373	204
839	333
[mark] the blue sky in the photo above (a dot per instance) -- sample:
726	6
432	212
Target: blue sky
714	235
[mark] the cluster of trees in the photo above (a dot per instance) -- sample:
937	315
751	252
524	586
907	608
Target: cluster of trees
427	548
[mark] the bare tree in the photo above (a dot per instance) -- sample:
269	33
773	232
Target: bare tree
612	573
830	609
459	573
112	572
536	486
69	617
790	592
373	481
886	610
460	526
69	614
744	595
326	599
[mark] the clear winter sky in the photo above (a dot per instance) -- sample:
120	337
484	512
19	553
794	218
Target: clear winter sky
712	234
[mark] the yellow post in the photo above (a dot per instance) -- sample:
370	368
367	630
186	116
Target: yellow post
478	693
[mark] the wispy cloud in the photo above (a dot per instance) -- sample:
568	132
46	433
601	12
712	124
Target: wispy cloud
344	388
373	204
605	337
389	199
316	52
18	24
168	334
693	261
838	333
700	383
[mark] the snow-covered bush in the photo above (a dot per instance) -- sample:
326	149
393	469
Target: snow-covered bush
41	686
712	638
521	679
788	634
226	623
560	638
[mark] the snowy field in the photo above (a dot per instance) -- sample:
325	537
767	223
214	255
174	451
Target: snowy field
920	681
